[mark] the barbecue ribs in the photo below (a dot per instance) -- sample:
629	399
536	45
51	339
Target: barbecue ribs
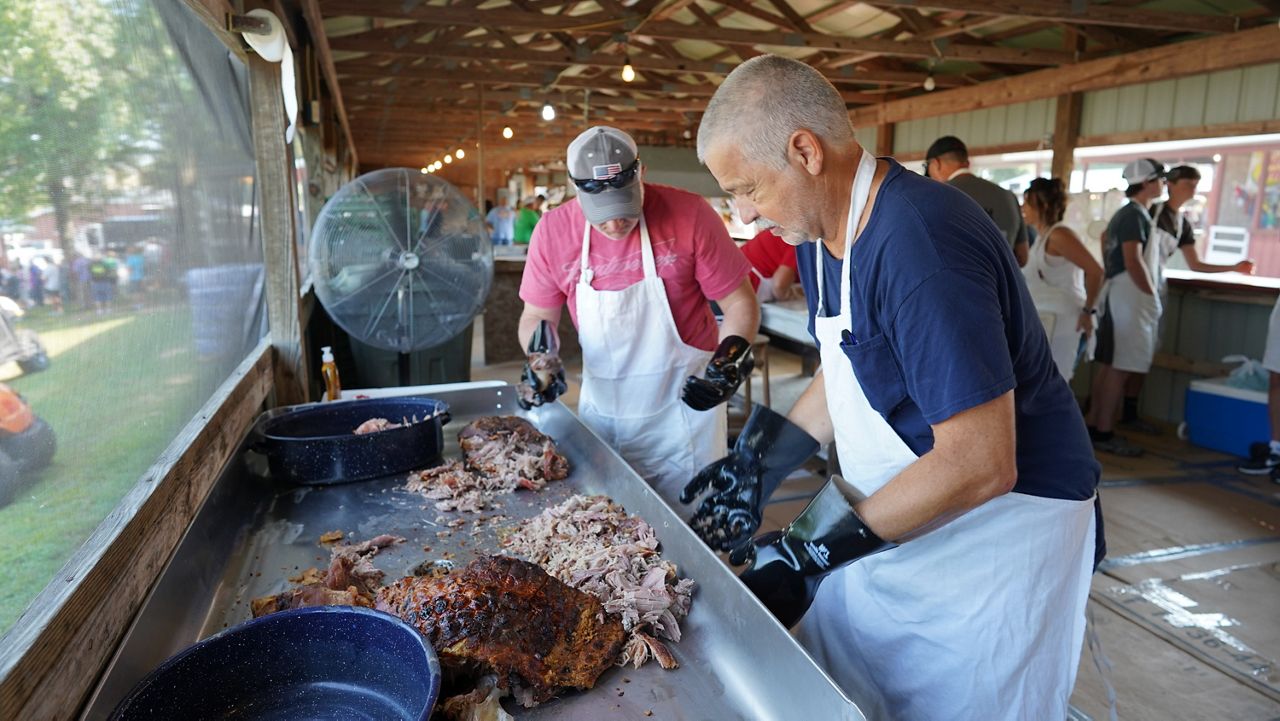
510	447
505	616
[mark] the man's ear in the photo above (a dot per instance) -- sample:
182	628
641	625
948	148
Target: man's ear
804	150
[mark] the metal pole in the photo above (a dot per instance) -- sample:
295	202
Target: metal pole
480	150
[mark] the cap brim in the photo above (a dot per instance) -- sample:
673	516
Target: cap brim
611	203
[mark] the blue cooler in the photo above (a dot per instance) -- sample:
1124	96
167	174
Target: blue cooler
1224	418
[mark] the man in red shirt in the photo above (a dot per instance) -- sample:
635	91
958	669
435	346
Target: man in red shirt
773	267
637	264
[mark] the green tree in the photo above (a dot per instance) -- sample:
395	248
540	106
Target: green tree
59	100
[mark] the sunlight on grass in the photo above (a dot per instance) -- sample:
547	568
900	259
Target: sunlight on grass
57	342
116	394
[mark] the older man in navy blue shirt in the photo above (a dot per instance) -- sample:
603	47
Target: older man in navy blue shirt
958	546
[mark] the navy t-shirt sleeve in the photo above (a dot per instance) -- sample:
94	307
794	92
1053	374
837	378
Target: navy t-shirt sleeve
949	336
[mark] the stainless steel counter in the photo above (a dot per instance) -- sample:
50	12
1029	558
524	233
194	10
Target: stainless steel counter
736	661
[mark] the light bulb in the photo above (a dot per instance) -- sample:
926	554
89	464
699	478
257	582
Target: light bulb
437	165
448	159
548	112
425	170
461	153
628	72
506	132
430	169
930	83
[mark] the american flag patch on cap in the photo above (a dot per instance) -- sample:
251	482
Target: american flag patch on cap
604	172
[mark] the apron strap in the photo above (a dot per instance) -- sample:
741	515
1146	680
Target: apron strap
587	274
858	195
646	251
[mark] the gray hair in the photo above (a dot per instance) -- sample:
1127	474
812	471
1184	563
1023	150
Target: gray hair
764	101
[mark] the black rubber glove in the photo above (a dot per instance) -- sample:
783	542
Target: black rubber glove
727	369
543	378
786	567
769	448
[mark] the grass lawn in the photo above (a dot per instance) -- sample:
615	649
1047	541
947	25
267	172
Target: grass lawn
119	388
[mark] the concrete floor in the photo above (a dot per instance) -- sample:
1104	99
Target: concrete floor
1184	608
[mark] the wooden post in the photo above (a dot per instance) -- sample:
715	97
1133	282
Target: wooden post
278	247
884	140
1066	122
480	149
1066	133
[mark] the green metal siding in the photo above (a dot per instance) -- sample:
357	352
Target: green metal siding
1021	122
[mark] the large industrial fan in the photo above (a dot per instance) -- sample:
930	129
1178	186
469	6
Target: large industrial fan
401	261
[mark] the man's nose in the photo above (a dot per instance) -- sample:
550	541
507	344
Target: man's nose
746	212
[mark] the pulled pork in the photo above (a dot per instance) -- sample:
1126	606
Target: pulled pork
501	454
350	580
510	448
593	545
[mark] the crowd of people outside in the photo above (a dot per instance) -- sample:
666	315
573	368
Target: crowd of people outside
100	281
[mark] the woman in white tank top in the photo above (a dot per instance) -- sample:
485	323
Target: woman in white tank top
1063	276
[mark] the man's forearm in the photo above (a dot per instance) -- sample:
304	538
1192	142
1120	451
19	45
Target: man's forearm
810	411
741	313
966	468
1138	272
530	317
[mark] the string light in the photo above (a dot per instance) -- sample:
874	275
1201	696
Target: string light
425	170
628	72
507	133
930	83
448	159
461	154
548	112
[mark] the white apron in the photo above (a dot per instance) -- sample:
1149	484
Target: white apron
982	618
1135	316
1057	288
634	364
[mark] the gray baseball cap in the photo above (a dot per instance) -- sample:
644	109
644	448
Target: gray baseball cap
596	157
1142	170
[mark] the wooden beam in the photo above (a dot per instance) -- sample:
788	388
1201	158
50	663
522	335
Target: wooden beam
1224	52
213	13
1084	13
884	140
315	23
601	23
398	42
1190	132
432	74
62	643
276	190
1066	121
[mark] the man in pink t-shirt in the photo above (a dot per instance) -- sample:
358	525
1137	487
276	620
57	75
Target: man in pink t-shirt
639	296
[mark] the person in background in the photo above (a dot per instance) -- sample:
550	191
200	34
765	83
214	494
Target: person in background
53	285
958	546
526	218
1131	307
35	280
137	270
502	220
947	161
1267	460
81	276
636	263
1063	276
102	282
773	267
1174	232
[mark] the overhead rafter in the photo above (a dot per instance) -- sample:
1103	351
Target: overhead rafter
1084	13
603	23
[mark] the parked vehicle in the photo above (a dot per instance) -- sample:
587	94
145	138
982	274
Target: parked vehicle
19	344
27	444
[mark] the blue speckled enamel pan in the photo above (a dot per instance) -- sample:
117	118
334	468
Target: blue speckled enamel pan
326	663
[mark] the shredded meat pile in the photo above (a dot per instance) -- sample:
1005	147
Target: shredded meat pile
501	454
350	580
510	448
507	617
592	544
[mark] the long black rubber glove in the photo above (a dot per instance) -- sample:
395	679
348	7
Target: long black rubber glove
786	567
769	448
543	378
727	369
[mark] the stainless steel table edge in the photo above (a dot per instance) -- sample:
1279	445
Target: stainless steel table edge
736	660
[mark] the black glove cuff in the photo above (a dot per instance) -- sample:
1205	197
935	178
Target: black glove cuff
779	446
831	533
